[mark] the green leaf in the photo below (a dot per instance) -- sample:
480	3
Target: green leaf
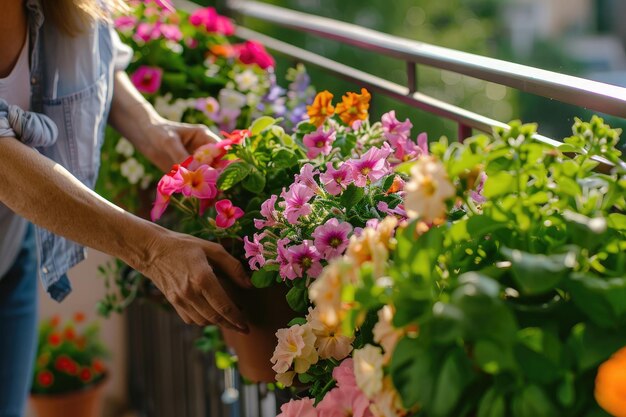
263	278
232	175
455	375
602	300
537	273
492	404
493	358
297	320
260	124
224	360
351	196
298	299
499	184
566	392
254	182
593	345
532	401
413	373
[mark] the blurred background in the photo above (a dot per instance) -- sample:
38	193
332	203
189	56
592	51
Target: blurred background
586	38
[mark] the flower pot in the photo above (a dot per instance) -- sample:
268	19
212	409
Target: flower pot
84	403
266	310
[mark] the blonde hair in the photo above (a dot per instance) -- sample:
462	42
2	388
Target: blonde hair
72	16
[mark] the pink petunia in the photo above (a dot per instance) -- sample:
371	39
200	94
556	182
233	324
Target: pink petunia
227	214
397	211
336	180
252	52
170	32
146	32
297	202
268	211
212	21
254	251
319	142
125	23
344	374
298	408
147	79
345	401
165	188
305	259
307	176
394	130
210	154
209	106
477	194
227	119
331	238
286	270
371	167
199	183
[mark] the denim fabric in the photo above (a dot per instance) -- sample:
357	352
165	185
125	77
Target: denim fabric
18	322
72	84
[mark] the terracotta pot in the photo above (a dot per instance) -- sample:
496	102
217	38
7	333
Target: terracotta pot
83	403
267	311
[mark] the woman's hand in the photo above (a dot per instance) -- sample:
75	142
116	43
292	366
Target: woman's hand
180	266
171	142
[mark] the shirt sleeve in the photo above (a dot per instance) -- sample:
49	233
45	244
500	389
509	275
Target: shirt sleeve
32	129
122	53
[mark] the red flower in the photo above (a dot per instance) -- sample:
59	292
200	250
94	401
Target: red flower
85	375
45	378
54	339
65	364
69	333
252	52
227	214
54	321
98	367
236	136
79	317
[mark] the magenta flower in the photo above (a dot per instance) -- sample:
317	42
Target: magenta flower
286	269
307	176
125	23
268	211
200	183
305	258
254	251
147	79
331	238
397	211
370	167
212	21
170	32
336	180
407	150
319	142
227	214
252	52
394	130
297	202
146	32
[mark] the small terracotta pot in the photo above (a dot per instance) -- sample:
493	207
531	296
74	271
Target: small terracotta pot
266	310
83	403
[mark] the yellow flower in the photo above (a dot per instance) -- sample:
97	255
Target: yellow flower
321	109
368	370
286	378
330	343
387	403
610	389
354	107
373	245
309	355
428	190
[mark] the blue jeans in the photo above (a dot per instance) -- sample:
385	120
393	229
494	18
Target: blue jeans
18	329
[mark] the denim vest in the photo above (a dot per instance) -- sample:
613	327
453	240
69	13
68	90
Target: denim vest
72	83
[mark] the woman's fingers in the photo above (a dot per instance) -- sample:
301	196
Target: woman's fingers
227	264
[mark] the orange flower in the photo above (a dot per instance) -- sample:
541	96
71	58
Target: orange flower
69	333
354	107
610	389
321	109
79	317
54	321
226	51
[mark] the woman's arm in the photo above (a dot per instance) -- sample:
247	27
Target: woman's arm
49	196
164	142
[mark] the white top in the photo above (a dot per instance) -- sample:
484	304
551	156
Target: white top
15	89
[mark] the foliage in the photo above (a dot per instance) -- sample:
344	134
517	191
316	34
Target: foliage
69	356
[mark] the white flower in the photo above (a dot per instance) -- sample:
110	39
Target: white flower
173	111
124	147
368	370
246	80
146	181
231	99
132	170
174	47
384	333
428	190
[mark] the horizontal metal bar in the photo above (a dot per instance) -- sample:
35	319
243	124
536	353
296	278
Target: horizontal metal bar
589	94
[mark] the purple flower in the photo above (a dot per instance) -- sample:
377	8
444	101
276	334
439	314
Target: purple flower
307	176
477	194
297	202
397	211
319	142
336	180
370	167
254	251
227	119
395	130
268	210
331	238
305	258
286	270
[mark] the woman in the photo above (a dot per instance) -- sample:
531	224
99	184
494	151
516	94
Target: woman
61	59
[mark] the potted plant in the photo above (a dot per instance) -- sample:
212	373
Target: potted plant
69	371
